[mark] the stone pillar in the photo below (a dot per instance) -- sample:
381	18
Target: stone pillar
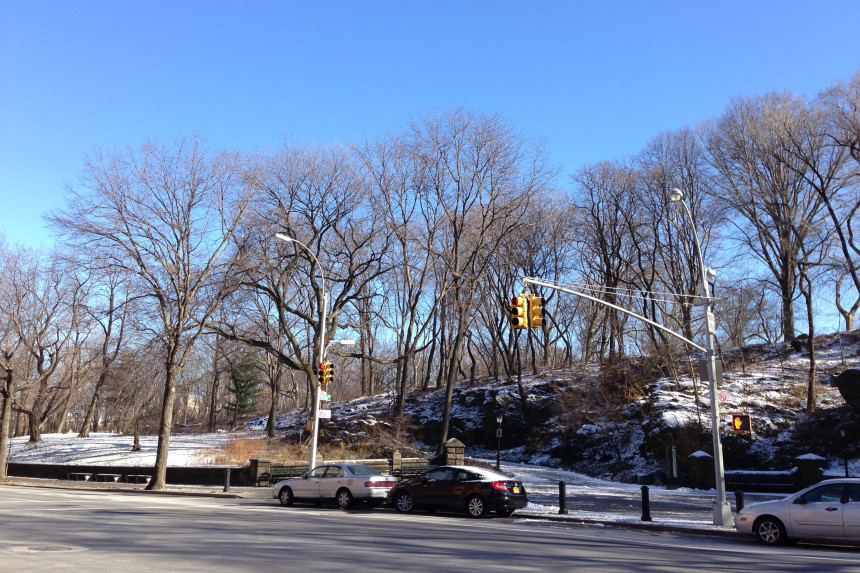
810	470
700	471
259	466
454	453
397	463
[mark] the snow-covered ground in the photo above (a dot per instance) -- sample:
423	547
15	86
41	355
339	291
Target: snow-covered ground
115	450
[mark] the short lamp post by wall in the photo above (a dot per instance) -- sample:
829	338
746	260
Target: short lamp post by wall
844	433
498	442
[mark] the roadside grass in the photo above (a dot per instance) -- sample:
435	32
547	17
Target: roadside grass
241	449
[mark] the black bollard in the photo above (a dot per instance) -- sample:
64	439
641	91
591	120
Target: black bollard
646	504
739	500
562	497
227	479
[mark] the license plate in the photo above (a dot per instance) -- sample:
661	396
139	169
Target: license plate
516	489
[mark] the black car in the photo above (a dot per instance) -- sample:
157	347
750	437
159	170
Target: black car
476	490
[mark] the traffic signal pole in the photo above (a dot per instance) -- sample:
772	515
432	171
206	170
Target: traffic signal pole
316	400
722	509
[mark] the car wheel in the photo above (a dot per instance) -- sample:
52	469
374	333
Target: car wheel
403	503
505	512
475	506
286	496
770	531
344	498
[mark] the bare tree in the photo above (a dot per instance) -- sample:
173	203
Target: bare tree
109	314
837	180
481	174
42	300
317	196
606	195
765	185
413	225
164	215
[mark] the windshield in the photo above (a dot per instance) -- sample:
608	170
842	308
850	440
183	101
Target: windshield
362	470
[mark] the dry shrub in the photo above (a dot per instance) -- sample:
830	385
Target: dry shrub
239	450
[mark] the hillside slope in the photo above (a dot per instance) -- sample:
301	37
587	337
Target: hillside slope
617	421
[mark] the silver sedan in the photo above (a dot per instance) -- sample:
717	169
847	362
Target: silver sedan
344	483
828	511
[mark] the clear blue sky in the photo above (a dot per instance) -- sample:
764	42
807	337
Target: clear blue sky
595	80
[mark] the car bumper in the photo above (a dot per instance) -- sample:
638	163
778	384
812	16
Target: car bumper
505	501
375	494
744	523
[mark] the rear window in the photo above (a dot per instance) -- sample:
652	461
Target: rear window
362	470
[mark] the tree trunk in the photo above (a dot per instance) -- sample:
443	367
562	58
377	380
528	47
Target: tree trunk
213	395
451	378
5	419
810	345
90	419
136	446
159	480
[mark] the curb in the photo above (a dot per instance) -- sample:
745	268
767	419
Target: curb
640	525
105	489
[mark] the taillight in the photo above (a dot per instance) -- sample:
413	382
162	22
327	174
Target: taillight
380	483
500	485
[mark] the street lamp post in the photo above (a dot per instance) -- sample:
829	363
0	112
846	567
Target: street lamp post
498	442
722	509
322	348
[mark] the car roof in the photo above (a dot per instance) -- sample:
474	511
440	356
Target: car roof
346	465
839	480
483	472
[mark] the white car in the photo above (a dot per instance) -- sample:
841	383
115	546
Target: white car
829	511
344	483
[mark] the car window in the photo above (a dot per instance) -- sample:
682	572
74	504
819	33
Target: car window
334	472
462	475
854	492
362	470
441	474
831	493
318	472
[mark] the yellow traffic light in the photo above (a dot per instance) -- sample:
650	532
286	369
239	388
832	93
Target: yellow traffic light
535	312
519	311
741	423
325	373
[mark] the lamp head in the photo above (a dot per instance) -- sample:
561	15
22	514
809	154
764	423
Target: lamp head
345	342
675	195
499	419
283	237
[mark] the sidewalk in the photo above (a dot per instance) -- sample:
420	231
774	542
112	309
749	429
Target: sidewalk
682	518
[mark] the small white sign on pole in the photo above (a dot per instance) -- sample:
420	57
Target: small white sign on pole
324	414
724	396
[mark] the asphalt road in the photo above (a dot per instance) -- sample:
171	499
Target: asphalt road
80	530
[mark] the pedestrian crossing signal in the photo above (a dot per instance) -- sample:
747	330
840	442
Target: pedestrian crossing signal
741	423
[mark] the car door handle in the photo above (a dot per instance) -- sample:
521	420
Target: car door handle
832	509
